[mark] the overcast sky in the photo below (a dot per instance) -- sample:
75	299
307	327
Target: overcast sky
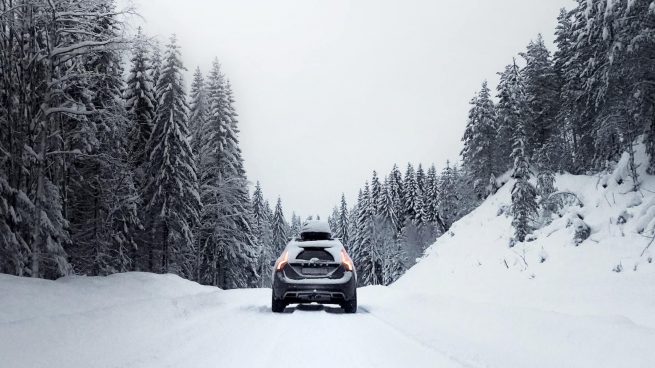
328	91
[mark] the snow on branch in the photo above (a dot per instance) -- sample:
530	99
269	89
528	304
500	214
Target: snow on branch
85	46
67	110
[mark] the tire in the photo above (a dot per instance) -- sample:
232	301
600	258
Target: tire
350	306
278	305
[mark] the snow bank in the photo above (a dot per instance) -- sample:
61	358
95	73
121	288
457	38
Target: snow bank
93	321
26	298
610	274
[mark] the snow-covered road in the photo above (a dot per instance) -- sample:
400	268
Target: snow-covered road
144	320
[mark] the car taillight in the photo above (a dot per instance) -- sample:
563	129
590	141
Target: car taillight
283	261
346	261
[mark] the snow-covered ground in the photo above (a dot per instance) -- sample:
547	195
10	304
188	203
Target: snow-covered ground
471	302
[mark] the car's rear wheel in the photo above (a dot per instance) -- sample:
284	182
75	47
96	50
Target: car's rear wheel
278	305
350	306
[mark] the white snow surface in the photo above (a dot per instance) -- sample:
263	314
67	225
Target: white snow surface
315	226
472	301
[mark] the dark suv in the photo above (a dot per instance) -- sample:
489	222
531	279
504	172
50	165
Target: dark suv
314	268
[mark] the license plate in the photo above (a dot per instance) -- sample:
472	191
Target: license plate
314	271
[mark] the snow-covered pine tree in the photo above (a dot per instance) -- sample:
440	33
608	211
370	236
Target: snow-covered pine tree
635	28
172	200
140	103
397	194
448	196
575	149
391	259
412	234
242	193
524	203
230	256
431	201
333	220
198	110
413	206
604	100
382	227
280	228
155	63
361	251
343	222
263	233
542	89
353	227
386	207
479	139
375	194
295	225
420	178
504	138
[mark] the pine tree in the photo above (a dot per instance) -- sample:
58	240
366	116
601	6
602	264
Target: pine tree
414	208
140	102
386	207
295	225
229	249
198	110
448	197
172	200
375	194
391	259
263	232
155	63
343	222
575	149
479	140
280	228
524	205
635	30
396	188
431	201
542	89
361	250
333	220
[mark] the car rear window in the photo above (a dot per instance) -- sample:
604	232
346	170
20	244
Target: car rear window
321	254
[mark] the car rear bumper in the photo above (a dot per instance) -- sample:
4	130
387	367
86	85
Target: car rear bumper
321	290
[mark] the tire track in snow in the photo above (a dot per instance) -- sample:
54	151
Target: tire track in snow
463	362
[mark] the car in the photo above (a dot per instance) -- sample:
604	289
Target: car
314	268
